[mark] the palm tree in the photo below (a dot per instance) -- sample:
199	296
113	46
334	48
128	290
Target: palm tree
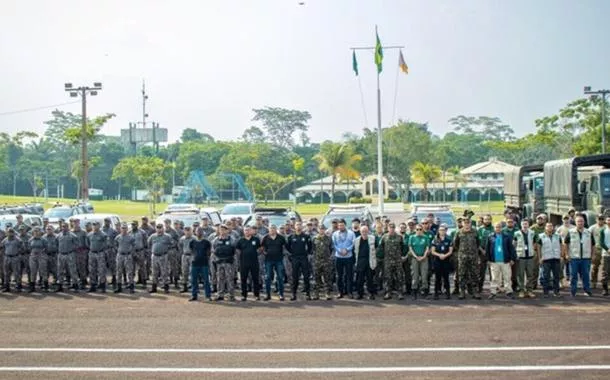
458	178
425	174
337	160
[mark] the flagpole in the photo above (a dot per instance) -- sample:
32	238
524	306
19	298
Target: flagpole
380	187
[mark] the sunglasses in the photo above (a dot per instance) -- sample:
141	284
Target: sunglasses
419	229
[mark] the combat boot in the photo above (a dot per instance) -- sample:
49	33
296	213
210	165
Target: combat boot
32	287
267	297
154	289
114	284
45	286
118	289
166	288
75	288
462	294
184	289
92	288
18	287
144	284
103	287
59	289
605	293
132	289
6	289
328	297
316	296
176	283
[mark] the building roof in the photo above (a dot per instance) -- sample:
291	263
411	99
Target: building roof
492	166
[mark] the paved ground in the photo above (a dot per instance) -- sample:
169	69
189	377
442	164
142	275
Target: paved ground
451	334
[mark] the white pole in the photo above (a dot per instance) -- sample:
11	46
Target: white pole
379	147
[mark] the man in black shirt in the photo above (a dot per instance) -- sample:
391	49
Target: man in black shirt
273	248
299	246
248	249
200	266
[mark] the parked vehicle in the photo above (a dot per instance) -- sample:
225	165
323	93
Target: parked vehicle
524	190
275	215
349	213
90	218
28	219
62	212
234	210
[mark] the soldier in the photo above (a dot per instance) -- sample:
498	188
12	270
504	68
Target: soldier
97	241
146	227
38	260
454	259
19	224
539	228
596	258
206	228
299	246
392	245
378	276
483	233
82	252
200	265
406	258
2	236
111	260
527	260
322	251
140	253
580	244
172	256
467	246
249	248
186	257
160	244
12	260
273	248
224	251
67	243
126	246
25	237
366	261
52	246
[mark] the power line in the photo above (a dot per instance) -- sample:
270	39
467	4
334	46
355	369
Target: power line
37	108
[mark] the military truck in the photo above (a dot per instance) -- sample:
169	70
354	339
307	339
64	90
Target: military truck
524	190
579	183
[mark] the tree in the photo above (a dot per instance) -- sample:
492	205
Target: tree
280	124
264	182
92	129
77	169
14	147
490	128
253	135
191	134
425	174
200	155
458	179
337	159
147	172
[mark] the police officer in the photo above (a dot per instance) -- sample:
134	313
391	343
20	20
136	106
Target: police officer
249	248
38	260
52	246
146	227
206	228
81	252
126	246
172	256
97	241
12	260
186	257
67	243
224	252
139	255
299	246
24	236
111	249
160	244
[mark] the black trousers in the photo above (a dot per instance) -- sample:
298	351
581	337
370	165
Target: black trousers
442	268
300	265
345	274
252	269
363	274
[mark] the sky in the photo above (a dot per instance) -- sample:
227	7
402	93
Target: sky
207	64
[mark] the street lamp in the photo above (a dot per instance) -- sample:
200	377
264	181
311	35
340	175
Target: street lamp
75	92
603	93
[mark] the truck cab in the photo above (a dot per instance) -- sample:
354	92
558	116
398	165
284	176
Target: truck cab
595	192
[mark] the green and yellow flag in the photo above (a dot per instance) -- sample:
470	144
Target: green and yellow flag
378	53
354	62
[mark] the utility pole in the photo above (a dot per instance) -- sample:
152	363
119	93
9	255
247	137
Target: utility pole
603	93
75	92
380	183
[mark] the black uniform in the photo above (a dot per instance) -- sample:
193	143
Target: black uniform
248	264
300	247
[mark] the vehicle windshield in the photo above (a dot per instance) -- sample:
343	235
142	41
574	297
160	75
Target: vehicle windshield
327	220
604	179
58	213
276	219
187	219
236	210
445	217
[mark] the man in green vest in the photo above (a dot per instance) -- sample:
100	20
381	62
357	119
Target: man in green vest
527	259
483	233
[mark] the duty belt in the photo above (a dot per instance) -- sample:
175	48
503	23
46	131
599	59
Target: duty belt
160	254
65	253
96	251
17	255
124	253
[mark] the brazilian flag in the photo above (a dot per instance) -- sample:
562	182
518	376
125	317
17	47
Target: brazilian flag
354	63
378	53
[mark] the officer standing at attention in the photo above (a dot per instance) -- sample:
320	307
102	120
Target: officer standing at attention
67	243
200	267
224	251
12	260
249	247
299	246
126	246
111	249
160	243
52	245
185	257
38	260
97	241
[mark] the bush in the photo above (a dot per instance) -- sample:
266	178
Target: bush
360	200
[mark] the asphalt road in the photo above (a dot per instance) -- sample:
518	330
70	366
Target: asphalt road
442	338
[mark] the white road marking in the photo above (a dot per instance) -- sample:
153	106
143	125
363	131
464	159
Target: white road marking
593	367
303	350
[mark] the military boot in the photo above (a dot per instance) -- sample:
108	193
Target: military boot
605	293
6	289
462	294
113	282
92	288
132	289
75	288
118	289
32	287
154	289
59	289
103	287
184	289
166	289
45	286
18	287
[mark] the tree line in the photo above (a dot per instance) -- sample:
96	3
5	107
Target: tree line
275	154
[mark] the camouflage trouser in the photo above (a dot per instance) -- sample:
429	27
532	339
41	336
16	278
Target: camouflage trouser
596	261
12	265
2	271
148	261
111	260
25	266
187	262
378	275
139	264
323	276
52	265
456	271
38	265
97	267
393	276
66	263
82	260
173	260
407	273
469	268
225	275
124	267
160	268
606	272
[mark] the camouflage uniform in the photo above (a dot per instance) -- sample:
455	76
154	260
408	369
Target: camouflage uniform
224	251
406	264
81	254
539	229
2	236
25	253
67	244
392	246
126	245
51	255
111	250
160	245
186	258
139	255
207	231
466	245
98	244
38	261
322	253
12	261
378	276
173	255
147	253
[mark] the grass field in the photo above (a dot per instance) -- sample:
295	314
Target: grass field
129	210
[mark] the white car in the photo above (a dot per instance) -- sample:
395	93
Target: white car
234	210
61	212
179	207
90	218
28	220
